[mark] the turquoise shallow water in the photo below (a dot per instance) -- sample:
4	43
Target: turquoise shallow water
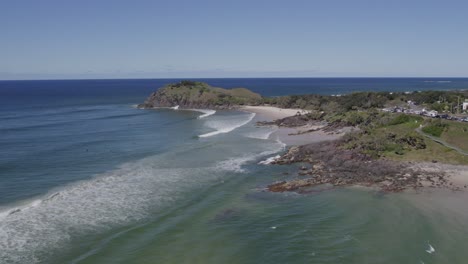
84	180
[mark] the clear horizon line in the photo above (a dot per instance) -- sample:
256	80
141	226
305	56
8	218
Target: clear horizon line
201	78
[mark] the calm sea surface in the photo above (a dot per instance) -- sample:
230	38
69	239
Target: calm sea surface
85	177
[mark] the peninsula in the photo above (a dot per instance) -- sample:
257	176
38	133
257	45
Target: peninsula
389	140
190	94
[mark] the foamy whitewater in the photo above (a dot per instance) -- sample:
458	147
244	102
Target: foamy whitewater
128	194
206	112
261	133
119	197
225	124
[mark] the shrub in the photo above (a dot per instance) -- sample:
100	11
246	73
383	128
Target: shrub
434	130
413	140
399	119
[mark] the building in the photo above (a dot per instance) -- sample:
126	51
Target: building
465	105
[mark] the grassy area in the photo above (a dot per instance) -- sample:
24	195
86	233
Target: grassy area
453	132
434	130
197	94
456	133
433	151
397	139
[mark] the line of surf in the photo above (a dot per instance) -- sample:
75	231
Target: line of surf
261	133
229	128
126	194
236	164
206	112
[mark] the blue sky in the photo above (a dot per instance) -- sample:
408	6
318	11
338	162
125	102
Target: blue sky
244	38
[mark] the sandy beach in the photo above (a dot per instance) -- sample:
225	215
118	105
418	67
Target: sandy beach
271	112
292	136
458	174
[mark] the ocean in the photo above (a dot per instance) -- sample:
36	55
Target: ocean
86	177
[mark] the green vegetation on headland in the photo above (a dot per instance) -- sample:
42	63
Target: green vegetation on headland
380	133
190	94
193	94
378	153
441	101
385	134
396	136
388	127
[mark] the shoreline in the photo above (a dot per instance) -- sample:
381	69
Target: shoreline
271	112
429	175
457	174
291	136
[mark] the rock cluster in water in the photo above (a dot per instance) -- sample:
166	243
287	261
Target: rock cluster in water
327	163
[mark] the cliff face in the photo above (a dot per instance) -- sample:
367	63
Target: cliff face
188	94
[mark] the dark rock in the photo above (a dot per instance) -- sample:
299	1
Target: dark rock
341	167
291	121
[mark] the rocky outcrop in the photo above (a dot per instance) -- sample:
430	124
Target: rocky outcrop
327	163
290	121
189	94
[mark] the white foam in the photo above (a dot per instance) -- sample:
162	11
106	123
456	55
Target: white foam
235	164
30	231
278	140
226	126
206	112
431	249
261	133
269	160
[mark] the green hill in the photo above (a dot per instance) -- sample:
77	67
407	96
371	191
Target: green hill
190	94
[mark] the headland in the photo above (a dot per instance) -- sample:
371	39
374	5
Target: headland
387	140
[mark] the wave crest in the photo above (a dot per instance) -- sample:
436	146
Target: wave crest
226	126
206	112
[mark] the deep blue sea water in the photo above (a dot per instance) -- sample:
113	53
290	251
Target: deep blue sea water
85	177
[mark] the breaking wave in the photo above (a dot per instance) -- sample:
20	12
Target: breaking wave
205	112
235	164
269	160
261	133
127	194
227	124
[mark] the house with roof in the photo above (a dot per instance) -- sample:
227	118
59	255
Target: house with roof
465	105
